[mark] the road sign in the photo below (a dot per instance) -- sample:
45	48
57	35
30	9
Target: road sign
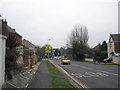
48	49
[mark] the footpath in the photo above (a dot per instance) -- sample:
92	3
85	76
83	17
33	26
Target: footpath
23	79
39	77
42	79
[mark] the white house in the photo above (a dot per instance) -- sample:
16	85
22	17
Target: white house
114	47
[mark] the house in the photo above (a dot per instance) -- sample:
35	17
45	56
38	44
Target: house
97	48
13	40
29	54
113	47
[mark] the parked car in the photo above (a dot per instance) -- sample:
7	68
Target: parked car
65	61
108	60
56	58
117	54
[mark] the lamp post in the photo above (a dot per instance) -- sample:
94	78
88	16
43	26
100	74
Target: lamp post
48	41
48	44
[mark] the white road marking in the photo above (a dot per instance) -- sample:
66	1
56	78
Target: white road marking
109	73
102	74
89	74
84	67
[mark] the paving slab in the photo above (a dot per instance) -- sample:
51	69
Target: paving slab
42	78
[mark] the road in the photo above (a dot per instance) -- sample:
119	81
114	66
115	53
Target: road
93	75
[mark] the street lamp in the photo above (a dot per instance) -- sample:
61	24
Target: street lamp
48	41
48	44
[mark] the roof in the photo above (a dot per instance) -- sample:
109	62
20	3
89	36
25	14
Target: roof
97	48
27	44
10	29
13	30
115	37
116	40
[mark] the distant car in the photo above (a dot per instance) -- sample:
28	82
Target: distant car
108	60
65	61
57	57
117	54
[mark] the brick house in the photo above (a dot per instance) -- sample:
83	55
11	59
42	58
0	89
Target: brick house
113	47
97	48
29	54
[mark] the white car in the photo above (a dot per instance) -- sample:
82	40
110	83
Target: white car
117	54
65	61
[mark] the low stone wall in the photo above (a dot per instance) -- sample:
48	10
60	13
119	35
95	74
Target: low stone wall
23	79
116	60
89	59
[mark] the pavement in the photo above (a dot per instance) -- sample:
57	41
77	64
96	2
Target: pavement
23	79
42	79
39	77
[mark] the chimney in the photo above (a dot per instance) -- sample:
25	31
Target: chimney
4	27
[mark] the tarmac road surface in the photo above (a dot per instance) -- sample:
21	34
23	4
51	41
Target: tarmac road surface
93	75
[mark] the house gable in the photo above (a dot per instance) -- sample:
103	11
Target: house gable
114	42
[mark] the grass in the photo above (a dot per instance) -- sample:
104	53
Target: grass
110	64
58	82
61	83
52	69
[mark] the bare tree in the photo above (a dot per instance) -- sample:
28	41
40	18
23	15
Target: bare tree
78	41
79	35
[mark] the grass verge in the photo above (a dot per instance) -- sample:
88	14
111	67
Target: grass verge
52	69
61	83
111	64
58	82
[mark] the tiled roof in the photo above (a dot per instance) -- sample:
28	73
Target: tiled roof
97	48
27	44
116	40
10	29
115	37
13	31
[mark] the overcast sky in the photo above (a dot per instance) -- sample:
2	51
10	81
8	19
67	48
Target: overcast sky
40	20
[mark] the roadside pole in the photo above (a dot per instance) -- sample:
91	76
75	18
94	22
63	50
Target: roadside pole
48	56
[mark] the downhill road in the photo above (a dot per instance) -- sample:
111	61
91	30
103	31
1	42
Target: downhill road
93	75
